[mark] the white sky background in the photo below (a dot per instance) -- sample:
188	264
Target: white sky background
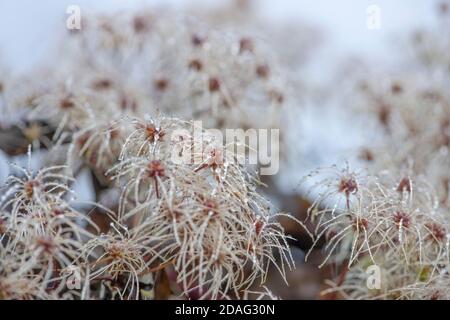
27	26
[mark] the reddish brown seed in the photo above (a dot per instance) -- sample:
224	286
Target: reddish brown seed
195	64
438	231
246	45
366	155
250	247
152	133
214	84
161	84
81	140
244	4
360	223
348	186
203	166
258	226
45	243
444	138
404	185
330	234
66	103
115	252
155	169
197	40
364	223
1	87
128	103
226	104
29	188
401	218
102	84
396	88
140	24
445	124
2	226
114	133
384	114
263	71
210	206
175	214
57	212
276	96
435	296
443	8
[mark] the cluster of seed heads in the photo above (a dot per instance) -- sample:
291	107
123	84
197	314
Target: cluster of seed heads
199	222
389	221
204	220
125	63
414	118
144	63
41	235
395	214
